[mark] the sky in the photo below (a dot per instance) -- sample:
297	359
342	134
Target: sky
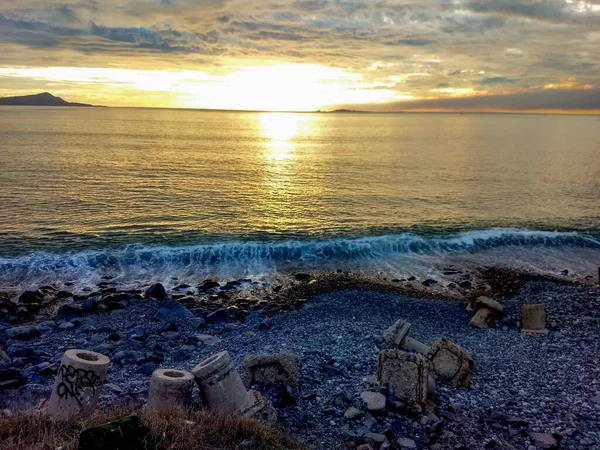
304	55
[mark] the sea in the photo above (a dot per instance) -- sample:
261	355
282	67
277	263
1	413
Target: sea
145	195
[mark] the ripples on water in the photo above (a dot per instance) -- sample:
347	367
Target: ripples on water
155	193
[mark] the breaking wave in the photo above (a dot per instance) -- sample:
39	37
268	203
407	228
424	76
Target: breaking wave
143	263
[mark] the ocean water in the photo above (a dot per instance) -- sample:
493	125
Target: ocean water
145	195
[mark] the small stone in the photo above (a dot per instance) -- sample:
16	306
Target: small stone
374	400
406	443
353	413
543	440
66	326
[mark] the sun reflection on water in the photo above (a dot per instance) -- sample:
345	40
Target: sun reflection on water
279	131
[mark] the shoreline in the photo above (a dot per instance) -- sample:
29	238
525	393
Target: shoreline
333	321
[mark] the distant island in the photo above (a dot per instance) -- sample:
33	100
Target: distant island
43	99
343	111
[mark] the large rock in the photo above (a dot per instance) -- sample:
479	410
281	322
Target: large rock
409	375
172	310
156	291
126	434
278	368
374	400
23	333
451	363
28	297
67	312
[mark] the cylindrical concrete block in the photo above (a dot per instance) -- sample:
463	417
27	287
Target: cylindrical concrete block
534	319
77	384
220	384
409	343
170	388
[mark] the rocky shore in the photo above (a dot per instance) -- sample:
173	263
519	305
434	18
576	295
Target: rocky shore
527	392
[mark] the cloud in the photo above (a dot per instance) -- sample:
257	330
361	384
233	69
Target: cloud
413	48
544	10
498	80
552	99
413	42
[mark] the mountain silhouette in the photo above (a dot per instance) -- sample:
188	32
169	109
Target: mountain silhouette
43	99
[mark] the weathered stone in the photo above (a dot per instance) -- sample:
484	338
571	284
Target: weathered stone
28	297
208	284
4	358
172	310
258	408
77	384
124	434
482	318
374	401
68	312
278	368
353	413
534	319
156	291
406	443
409	375
23	333
451	363
543	440
486	302
170	388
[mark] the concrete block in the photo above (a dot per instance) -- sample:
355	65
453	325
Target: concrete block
77	384
409	375
534	319
220	384
170	388
451	363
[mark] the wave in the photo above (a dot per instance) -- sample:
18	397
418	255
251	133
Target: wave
143	263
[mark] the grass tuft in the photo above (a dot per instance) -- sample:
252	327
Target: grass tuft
169	430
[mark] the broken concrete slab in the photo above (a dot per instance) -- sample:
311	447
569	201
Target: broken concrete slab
451	363
409	375
276	368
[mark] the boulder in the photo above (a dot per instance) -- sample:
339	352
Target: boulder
172	310
218	316
278	368
28	297
374	401
23	333
303	276
125	434
156	291
208	284
68	312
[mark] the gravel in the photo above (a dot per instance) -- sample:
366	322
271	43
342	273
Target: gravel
526	391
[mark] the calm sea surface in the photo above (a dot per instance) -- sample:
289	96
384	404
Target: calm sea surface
86	191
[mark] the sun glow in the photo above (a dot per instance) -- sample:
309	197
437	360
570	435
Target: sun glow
278	87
